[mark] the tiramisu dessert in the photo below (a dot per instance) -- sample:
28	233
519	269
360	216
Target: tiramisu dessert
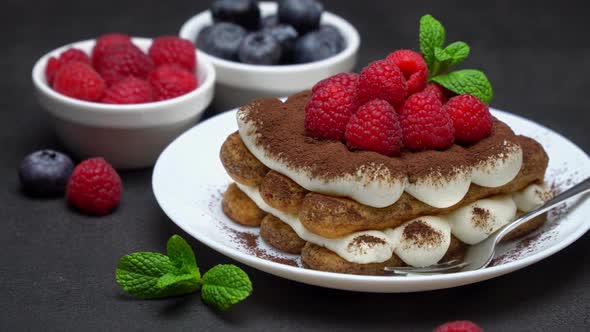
380	169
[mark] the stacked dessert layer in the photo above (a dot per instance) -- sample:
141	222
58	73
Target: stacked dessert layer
357	211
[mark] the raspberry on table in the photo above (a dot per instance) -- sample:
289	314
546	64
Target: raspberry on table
347	80
375	127
79	80
413	67
459	326
104	42
169	50
471	118
131	90
123	60
94	187
425	125
435	90
169	81
382	80
328	111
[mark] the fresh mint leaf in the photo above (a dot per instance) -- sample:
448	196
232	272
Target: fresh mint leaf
177	284
432	35
182	256
458	51
467	81
138	273
441	55
442	59
149	275
224	286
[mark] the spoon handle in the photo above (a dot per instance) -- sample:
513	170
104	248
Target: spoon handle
578	189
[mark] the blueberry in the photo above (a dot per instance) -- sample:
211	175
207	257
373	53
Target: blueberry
260	48
242	12
221	40
45	173
315	46
331	32
269	21
303	15
286	35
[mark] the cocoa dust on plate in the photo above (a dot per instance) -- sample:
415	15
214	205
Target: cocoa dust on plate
531	243
249	242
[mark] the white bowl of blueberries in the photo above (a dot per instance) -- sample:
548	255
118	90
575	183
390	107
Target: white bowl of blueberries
270	49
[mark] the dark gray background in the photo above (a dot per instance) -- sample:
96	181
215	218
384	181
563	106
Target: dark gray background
57	266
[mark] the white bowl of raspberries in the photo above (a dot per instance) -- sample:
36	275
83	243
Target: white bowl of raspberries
122	98
271	49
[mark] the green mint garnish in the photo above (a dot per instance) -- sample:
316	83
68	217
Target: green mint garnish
150	275
440	60
467	81
225	285
432	35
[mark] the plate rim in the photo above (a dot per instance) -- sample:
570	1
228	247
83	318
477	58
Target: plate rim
280	270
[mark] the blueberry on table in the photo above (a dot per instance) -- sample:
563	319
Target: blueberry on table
242	12
286	35
221	40
260	48
269	21
315	46
45	173
304	15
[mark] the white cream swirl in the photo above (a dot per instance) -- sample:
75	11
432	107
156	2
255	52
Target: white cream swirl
471	224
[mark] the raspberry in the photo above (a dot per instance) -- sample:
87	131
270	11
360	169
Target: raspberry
104	42
382	80
459	326
375	127
73	54
78	80
94	187
471	118
347	80
327	112
169	81
69	55
53	64
435	90
424	124
131	90
413	67
173	50
123	60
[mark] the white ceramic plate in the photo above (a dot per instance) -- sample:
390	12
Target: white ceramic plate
189	180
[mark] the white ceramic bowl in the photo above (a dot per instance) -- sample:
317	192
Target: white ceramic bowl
238	83
127	136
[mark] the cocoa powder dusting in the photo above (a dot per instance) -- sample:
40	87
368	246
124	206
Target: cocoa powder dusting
368	240
280	130
481	218
421	233
249	242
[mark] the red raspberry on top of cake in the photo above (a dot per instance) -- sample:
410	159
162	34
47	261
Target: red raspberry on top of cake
413	67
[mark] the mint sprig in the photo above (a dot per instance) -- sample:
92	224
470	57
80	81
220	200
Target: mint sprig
151	275
467	81
440	60
224	286
432	35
